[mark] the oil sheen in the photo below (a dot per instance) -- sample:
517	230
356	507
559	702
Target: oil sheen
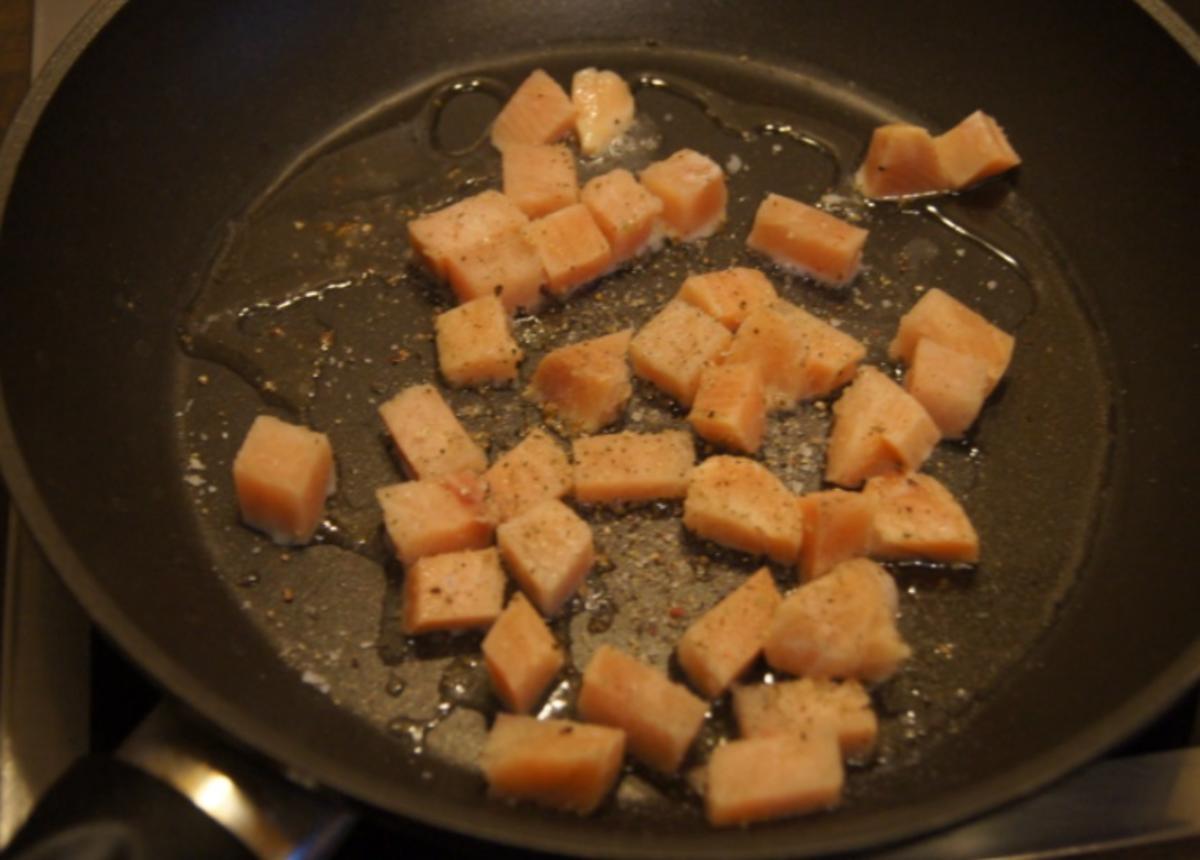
314	308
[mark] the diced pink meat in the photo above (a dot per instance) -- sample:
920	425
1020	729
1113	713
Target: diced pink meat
730	408
548	550
738	503
632	467
973	150
837	527
435	516
673	348
951	385
660	718
282	474
475	343
586	384
730	295
916	517
800	356
796	707
428	435
806	240
539	178
943	319
539	111
878	429
842	625
902	160
458	229
454	591
692	189
721	644
572	247
507	266
626	213
561	764
773	777
522	655
603	108
535	470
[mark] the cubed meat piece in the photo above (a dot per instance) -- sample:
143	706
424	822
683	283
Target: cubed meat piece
842	625
691	187
435	516
805	240
773	777
632	467
460	227
902	160
837	528
603	108
572	247
878	428
796	707
585	385
540	111
539	178
943	319
832	357
800	356
951	385
973	150
730	408
507	265
431	441
522	655
475	343
916	517
548	550
770	340
560	764
455	591
674	346
738	503
659	717
535	470
282	474
626	213
721	644
730	295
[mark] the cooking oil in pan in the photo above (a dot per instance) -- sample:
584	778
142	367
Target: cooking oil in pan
314	309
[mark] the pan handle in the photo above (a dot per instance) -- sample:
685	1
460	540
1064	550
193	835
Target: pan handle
174	792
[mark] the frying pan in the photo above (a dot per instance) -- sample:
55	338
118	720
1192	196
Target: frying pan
182	247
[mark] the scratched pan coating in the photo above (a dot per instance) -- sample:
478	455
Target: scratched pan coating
314	310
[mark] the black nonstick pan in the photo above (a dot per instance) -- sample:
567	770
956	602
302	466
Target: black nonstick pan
204	220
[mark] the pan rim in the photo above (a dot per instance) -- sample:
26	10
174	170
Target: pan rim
1003	789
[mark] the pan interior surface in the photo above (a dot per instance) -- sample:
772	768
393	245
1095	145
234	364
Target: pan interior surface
315	310
175	260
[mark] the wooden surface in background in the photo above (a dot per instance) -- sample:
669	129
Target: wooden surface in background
16	38
16	30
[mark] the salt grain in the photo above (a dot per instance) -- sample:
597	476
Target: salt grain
313	679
